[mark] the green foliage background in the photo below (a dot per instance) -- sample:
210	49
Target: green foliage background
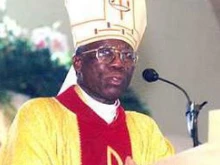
31	72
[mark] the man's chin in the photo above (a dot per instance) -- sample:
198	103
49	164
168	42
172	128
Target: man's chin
113	93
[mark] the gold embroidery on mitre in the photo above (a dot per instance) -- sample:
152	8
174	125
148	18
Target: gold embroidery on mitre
112	153
121	5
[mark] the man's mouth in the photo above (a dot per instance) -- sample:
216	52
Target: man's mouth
115	80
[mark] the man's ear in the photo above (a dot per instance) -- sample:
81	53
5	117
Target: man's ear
77	63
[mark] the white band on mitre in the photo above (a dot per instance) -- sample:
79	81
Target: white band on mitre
95	20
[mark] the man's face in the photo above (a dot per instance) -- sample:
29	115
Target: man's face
103	81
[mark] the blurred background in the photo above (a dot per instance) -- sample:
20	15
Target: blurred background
182	43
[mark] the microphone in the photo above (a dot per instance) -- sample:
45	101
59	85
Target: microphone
150	75
192	112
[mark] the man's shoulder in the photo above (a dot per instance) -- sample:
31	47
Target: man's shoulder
38	101
42	102
40	105
43	109
136	117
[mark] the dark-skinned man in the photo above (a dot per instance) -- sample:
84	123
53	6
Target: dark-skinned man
85	124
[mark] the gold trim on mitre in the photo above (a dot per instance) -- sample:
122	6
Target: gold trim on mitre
94	20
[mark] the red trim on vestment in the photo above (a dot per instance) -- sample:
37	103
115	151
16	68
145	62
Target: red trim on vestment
95	134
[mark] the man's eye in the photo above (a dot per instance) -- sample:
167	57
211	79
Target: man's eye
129	55
105	52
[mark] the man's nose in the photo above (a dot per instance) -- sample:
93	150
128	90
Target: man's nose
117	61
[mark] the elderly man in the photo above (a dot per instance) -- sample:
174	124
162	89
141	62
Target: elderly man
85	124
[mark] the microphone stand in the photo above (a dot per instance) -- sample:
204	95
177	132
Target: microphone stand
192	114
192	121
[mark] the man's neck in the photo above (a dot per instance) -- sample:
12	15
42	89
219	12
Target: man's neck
106	111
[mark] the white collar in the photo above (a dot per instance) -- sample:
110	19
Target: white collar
107	112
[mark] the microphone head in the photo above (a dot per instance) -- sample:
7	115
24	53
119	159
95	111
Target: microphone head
150	75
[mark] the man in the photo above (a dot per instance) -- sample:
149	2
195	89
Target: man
85	124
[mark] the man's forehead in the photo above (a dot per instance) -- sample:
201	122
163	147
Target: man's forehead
108	42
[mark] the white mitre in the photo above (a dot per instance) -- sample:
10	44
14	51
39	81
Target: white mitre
95	20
